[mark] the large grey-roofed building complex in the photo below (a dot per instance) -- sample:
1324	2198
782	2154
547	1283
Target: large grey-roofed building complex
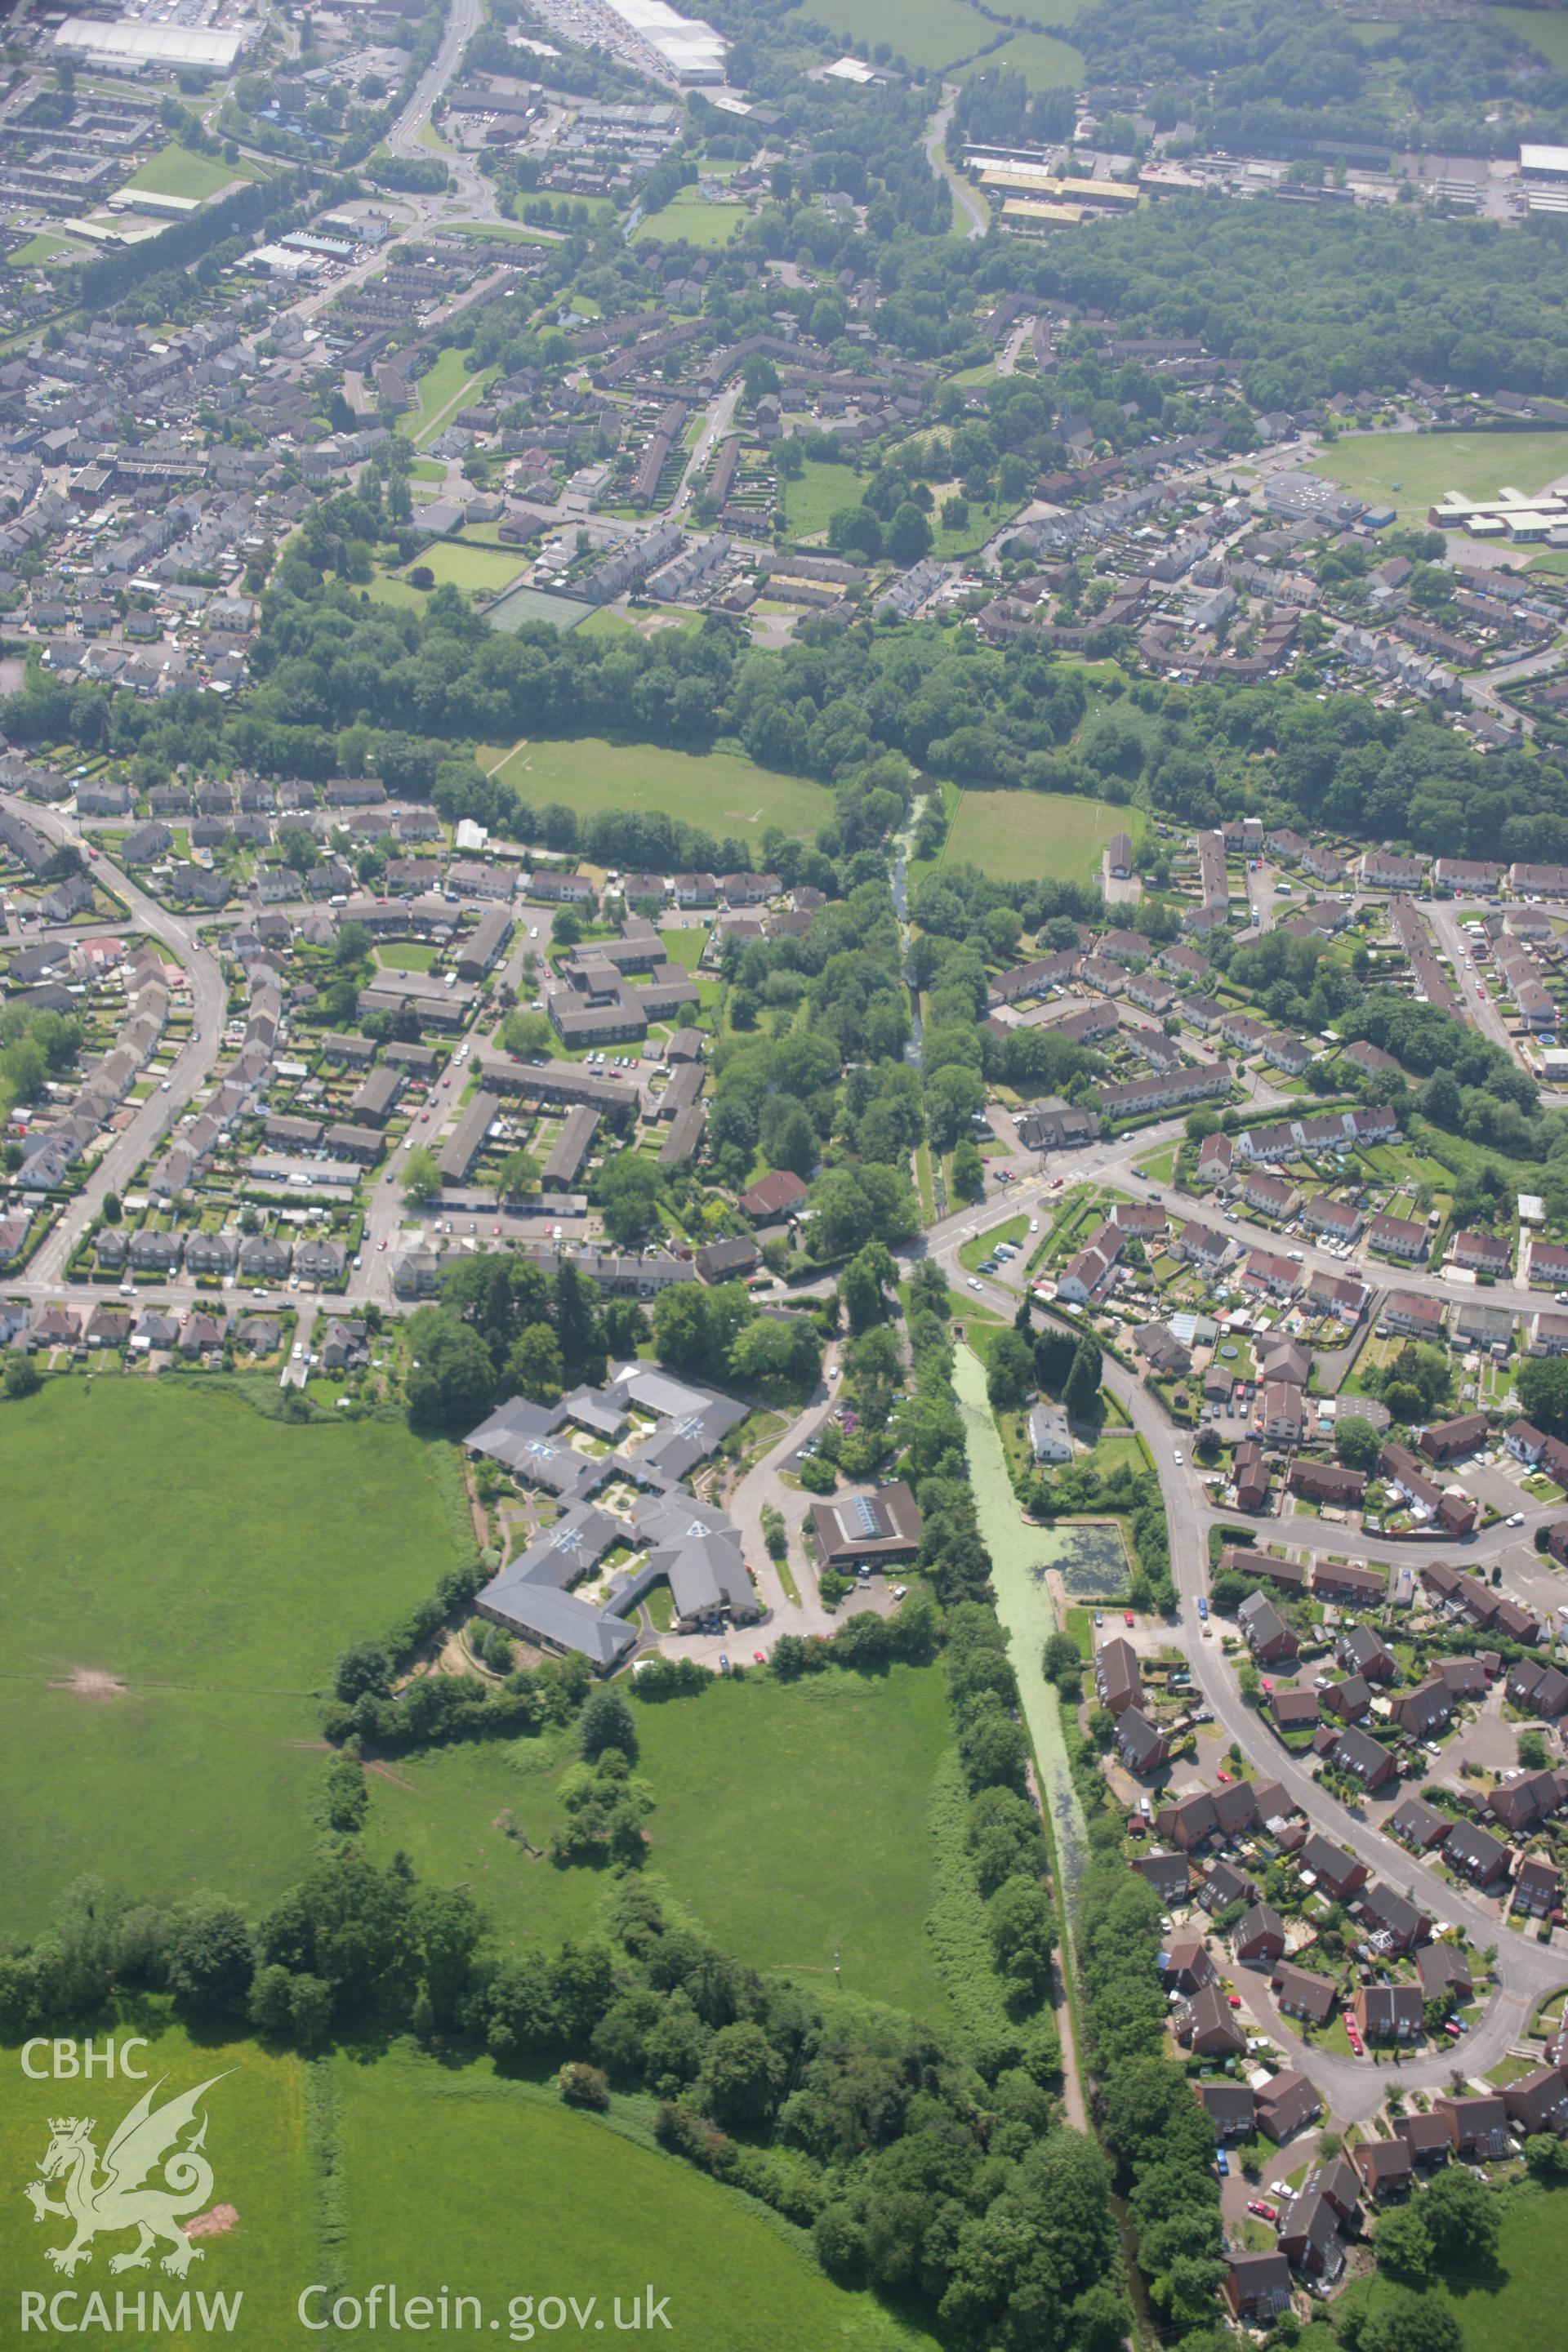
688	1544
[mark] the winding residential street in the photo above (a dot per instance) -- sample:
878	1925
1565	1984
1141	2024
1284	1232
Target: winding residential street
1527	1970
968	206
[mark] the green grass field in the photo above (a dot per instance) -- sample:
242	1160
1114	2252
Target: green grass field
1045	62
478	571
924	32
443	391
698	222
177	172
214	1564
1026	835
720	790
456	2178
407	955
461	1815
255	2144
41	249
504	232
1521	2301
1425	465
817	493
1545	30
791	1819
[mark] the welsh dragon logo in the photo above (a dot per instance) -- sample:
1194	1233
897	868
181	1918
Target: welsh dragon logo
116	2197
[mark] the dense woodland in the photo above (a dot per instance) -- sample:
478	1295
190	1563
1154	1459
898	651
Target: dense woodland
345	686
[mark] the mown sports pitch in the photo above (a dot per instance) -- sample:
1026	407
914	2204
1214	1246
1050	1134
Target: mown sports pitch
1019	835
1410	471
722	791
178	1575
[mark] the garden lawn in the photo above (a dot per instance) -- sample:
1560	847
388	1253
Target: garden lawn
216	1563
791	1819
478	571
924	32
457	2179
1425	465
1521	2301
407	955
722	792
255	2144
1023	835
177	172
696	222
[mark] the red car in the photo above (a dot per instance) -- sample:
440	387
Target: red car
1127	1617
1235	2000
1224	1777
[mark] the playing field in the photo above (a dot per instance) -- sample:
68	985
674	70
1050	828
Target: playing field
177	1576
720	789
1411	470
698	222
455	2179
255	2144
1520	2303
478	571
922	32
1025	835
177	172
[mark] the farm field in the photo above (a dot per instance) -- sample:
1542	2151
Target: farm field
478	571
924	32
791	1819
255	2144
698	222
177	172
1045	62
1519	2303
538	2201
214	1564
1425	465
1545	31
1020	835
722	791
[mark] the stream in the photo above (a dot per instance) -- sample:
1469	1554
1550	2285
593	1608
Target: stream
1023	1605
